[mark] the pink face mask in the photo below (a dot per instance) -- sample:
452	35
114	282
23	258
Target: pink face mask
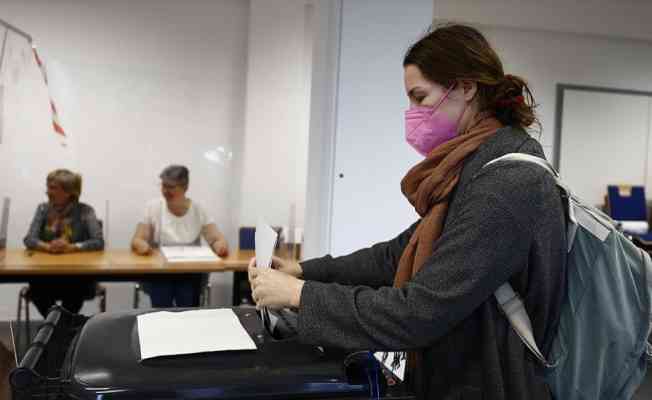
427	127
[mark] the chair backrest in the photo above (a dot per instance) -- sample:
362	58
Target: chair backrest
627	203
247	237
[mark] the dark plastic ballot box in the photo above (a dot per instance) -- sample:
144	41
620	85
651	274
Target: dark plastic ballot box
102	361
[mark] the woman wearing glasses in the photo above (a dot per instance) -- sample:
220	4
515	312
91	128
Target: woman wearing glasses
176	220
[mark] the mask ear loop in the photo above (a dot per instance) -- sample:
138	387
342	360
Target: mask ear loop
444	97
436	106
462	113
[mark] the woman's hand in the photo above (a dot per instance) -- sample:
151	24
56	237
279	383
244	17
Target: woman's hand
70	248
289	267
274	289
58	246
44	246
220	248
142	248
216	240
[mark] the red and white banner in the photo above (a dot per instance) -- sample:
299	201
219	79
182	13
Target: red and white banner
55	116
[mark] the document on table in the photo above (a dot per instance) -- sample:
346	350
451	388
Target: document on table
640	227
166	333
266	238
188	253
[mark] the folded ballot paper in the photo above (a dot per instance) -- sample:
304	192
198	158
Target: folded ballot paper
188	254
266	238
166	333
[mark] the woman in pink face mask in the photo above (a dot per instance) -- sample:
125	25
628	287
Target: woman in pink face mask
441	110
436	114
428	293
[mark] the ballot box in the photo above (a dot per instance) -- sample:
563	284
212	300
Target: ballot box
74	357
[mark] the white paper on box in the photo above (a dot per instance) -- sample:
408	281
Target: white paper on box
166	333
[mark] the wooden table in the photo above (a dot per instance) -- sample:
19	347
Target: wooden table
17	265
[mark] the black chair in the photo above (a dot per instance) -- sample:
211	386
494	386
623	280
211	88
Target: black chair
627	205
204	296
24	297
241	289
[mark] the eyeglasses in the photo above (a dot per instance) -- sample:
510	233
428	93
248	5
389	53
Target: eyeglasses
169	186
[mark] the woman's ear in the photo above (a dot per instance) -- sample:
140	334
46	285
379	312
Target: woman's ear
470	89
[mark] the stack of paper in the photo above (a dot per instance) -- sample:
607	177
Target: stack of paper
188	253
167	333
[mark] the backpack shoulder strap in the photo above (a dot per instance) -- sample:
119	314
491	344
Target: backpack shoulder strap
512	306
542	162
528	158
508	300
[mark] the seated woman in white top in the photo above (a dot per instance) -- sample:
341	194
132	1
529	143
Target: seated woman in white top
176	220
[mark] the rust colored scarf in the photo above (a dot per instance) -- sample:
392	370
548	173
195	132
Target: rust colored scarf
428	185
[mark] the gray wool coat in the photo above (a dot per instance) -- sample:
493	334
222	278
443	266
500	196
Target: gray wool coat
505	223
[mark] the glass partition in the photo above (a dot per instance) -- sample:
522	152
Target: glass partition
224	91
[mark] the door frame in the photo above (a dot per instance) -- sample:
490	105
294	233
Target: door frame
559	109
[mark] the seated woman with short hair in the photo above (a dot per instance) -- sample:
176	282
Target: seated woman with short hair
63	225
176	220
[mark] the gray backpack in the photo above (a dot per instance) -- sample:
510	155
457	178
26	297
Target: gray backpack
601	349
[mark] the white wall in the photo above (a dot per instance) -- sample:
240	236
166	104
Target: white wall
147	84
593	42
548	58
615	19
275	159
